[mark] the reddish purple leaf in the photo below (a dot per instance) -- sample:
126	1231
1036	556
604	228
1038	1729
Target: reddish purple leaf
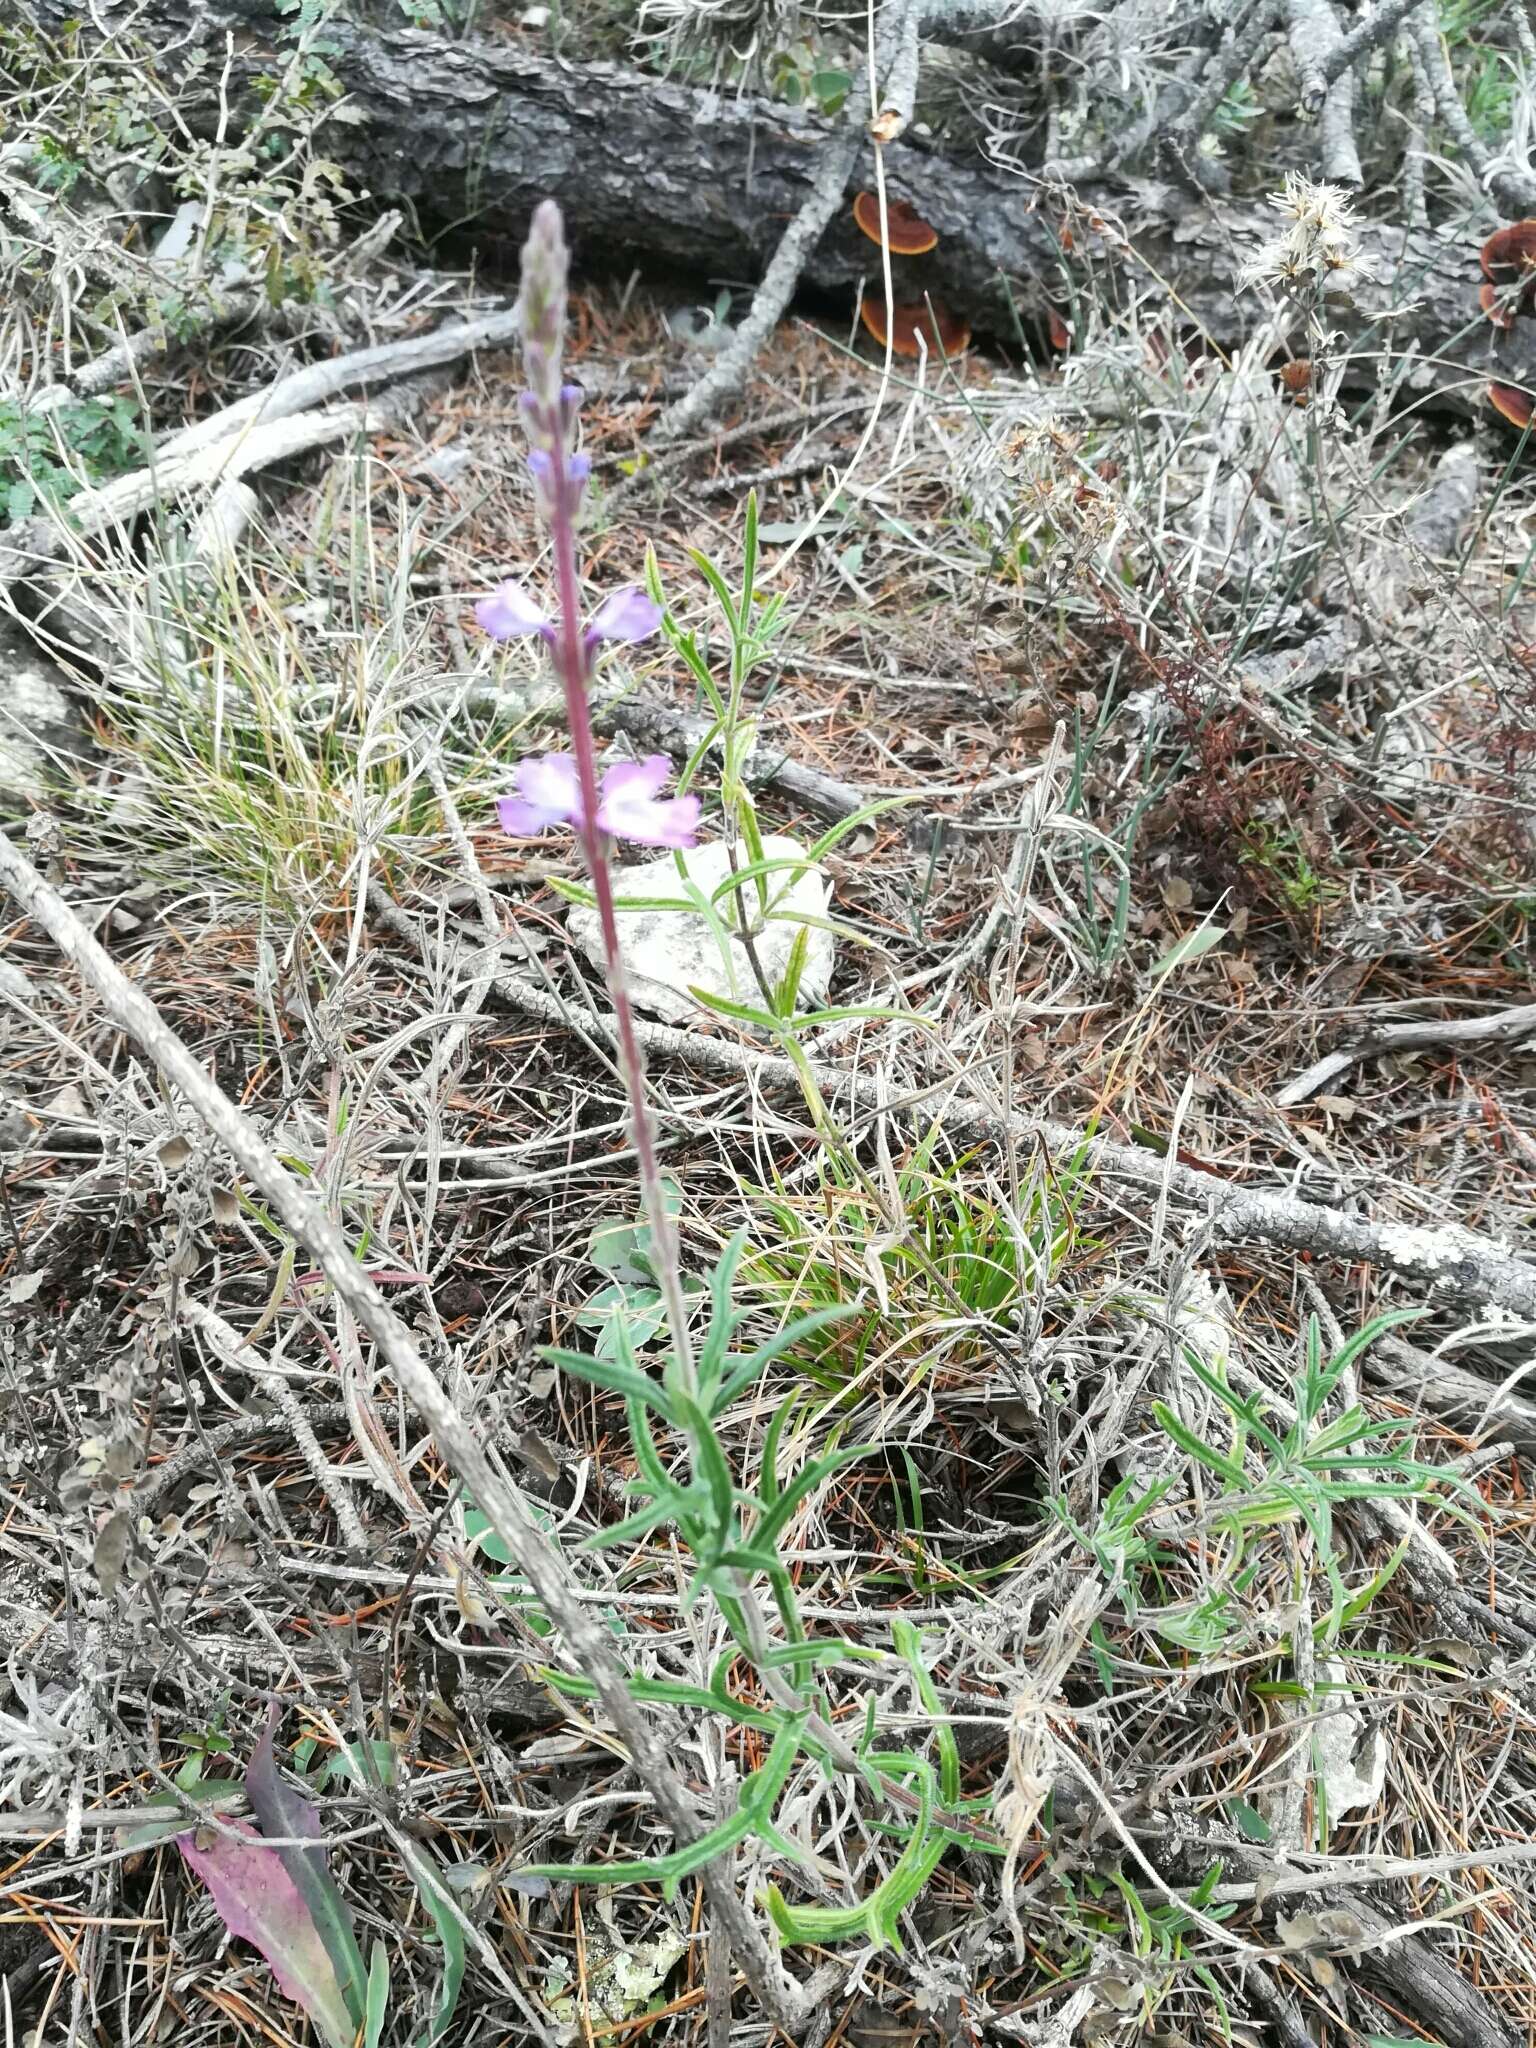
260	1903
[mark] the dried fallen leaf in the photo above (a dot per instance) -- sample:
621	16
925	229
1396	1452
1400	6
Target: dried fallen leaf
111	1550
1341	1106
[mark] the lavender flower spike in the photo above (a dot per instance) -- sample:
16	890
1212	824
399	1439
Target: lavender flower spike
627	801
542	308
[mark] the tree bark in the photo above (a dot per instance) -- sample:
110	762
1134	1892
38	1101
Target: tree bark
649	170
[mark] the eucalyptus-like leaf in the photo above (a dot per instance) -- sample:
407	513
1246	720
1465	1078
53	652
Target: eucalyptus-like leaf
259	1902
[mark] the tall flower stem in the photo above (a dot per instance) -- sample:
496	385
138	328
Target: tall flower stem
571	661
560	476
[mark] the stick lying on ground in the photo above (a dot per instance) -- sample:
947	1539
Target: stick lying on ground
1499	1027
659	725
1448	1260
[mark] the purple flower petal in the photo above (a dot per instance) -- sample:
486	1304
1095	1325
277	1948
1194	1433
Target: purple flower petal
626	614
511	612
549	793
632	808
519	819
637	778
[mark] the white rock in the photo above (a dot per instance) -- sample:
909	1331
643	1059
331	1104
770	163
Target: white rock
39	726
668	952
1349	1755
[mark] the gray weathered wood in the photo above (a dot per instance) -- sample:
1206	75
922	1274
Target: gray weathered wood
654	171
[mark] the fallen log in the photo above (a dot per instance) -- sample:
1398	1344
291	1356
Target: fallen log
654	171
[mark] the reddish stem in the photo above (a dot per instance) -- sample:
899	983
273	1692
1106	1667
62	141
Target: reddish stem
572	662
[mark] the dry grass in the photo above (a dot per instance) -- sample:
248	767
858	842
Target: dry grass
1031	580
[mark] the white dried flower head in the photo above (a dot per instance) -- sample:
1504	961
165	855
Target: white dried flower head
1319	243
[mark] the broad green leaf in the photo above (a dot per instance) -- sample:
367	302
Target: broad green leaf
641	1310
1249	1822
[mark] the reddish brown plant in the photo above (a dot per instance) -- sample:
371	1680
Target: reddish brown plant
908	234
1296	378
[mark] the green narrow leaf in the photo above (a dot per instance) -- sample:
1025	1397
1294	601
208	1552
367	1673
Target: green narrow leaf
433	1894
378	1995
1197	1447
1190	947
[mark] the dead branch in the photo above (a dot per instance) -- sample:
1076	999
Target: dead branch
441	127
1448	1261
1499	1027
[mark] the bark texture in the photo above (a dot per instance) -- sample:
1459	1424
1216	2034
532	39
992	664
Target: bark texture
664	174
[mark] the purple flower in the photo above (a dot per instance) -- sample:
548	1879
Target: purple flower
549	793
633	808
631	805
511	612
626	614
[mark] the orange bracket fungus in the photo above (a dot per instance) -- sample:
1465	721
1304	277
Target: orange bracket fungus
908	234
1296	378
1517	406
920	324
1509	259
